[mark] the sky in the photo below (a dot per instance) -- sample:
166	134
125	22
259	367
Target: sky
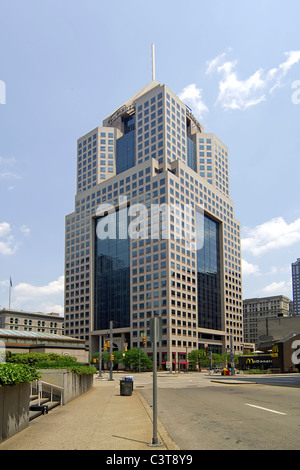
66	65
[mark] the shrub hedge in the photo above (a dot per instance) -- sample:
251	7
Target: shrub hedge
12	374
50	361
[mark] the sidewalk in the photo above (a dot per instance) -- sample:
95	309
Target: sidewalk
100	419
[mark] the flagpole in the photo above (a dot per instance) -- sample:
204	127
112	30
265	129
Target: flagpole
9	300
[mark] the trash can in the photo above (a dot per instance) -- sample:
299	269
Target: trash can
125	387
129	378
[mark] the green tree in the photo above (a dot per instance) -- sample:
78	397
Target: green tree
118	358
131	359
198	357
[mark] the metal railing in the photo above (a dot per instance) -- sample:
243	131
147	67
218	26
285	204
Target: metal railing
40	386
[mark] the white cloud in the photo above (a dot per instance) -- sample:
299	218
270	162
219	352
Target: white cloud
47	298
249	268
7	161
235	93
4	229
6	167
8	245
9	175
271	235
277	288
293	58
239	94
25	230
192	96
26	291
4	283
49	307
213	64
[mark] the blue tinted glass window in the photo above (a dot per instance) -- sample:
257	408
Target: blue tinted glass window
208	275
125	146
191	154
112	279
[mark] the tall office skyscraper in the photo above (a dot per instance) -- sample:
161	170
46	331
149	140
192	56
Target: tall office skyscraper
296	286
153	152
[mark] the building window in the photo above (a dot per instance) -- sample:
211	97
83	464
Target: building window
112	278
208	273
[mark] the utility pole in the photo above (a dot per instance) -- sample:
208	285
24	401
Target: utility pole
155	337
231	356
210	362
139	359
111	350
100	355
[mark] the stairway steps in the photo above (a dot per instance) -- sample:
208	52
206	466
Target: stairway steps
36	409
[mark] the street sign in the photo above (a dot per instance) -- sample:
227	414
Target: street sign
155	329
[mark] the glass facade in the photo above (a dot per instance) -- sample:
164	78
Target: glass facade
191	154
112	280
125	147
208	275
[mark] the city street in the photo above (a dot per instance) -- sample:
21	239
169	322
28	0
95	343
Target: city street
202	412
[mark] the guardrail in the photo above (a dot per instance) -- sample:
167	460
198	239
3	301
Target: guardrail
41	386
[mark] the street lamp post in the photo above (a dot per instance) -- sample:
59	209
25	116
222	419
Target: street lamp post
155	337
111	350
100	355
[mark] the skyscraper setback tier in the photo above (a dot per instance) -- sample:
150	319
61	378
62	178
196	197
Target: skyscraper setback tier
153	153
296	286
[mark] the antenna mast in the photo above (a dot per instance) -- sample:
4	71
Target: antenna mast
153	62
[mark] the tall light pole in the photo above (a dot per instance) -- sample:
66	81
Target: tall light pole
100	355
155	337
110	350
231	355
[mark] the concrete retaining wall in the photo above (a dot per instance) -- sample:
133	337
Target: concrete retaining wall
73	385
14	409
15	399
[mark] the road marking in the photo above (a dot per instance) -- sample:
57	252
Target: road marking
266	409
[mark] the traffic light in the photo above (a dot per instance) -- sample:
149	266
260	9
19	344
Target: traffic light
112	357
108	343
125	348
105	347
144	340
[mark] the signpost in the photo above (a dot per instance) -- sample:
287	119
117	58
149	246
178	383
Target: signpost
100	355
142	336
155	337
111	350
231	356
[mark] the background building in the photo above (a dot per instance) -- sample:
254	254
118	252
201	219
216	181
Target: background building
261	308
272	330
20	341
31	321
296	286
151	151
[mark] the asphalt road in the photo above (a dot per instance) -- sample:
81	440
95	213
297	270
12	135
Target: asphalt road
232	414
284	380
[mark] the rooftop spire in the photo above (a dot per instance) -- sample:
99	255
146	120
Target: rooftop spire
153	62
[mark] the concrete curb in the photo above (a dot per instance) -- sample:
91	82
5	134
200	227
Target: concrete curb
166	439
233	382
